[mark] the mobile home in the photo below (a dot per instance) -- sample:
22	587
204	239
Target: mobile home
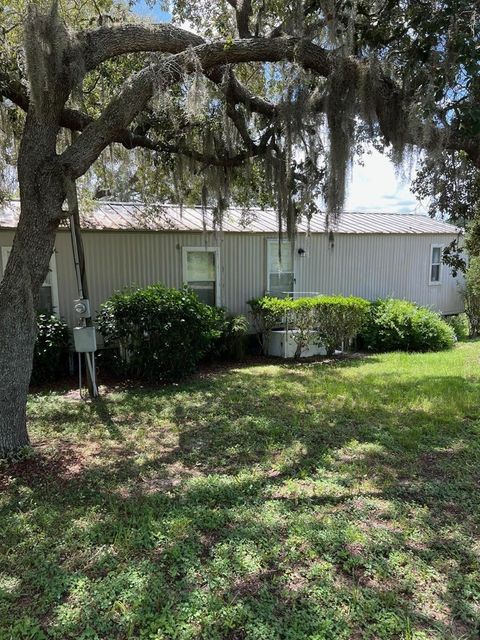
364	254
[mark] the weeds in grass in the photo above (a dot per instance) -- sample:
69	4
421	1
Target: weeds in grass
284	501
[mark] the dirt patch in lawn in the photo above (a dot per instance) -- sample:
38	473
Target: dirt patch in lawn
45	465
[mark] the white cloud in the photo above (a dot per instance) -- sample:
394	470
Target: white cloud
375	186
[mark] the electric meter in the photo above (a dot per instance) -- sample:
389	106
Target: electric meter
82	308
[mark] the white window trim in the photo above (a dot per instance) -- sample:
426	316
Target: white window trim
53	272
430	265
216	251
271	242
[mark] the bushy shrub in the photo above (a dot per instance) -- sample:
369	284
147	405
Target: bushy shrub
471	295
51	345
459	324
232	333
162	333
329	321
404	326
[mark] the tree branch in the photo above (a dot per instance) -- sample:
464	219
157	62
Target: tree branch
71	119
14	91
243	11
136	92
75	120
220	161
104	43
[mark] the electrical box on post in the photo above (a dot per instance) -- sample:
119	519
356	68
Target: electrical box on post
82	308
85	339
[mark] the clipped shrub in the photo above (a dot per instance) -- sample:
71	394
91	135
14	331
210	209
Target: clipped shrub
300	315
329	321
338	320
232	336
459	324
163	333
51	349
267	313
400	325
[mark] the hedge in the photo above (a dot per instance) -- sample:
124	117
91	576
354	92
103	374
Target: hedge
400	325
328	321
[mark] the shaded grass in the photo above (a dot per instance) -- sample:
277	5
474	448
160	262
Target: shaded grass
277	501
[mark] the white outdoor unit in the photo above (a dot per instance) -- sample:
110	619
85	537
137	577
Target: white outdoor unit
282	344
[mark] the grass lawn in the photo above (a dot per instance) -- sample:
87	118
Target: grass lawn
293	501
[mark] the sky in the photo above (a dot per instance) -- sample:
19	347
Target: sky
156	14
375	186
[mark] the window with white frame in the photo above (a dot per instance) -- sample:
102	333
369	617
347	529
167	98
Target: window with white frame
201	273
48	301
436	264
280	274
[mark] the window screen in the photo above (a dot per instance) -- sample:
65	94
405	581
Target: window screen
45	302
435	265
280	276
201	274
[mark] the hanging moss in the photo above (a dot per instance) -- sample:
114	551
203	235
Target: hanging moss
196	97
49	46
294	162
8	151
341	110
179	180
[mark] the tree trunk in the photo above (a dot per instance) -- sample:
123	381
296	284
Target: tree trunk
42	194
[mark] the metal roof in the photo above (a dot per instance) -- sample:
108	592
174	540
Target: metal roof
167	217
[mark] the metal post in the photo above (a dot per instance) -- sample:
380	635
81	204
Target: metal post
80	272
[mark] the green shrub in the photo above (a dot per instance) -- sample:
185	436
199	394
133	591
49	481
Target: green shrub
232	335
267	313
402	325
162	333
300	314
329	321
51	345
338	320
459	324
471	296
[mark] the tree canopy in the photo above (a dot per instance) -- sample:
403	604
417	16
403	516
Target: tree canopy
278	128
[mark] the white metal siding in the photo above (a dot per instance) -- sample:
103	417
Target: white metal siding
367	265
373	266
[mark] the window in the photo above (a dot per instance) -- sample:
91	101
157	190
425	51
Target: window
280	276
200	273
436	264
48	300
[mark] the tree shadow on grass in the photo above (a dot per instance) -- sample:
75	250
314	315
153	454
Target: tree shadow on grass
101	408
281	509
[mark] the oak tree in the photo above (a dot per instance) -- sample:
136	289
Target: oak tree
273	94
